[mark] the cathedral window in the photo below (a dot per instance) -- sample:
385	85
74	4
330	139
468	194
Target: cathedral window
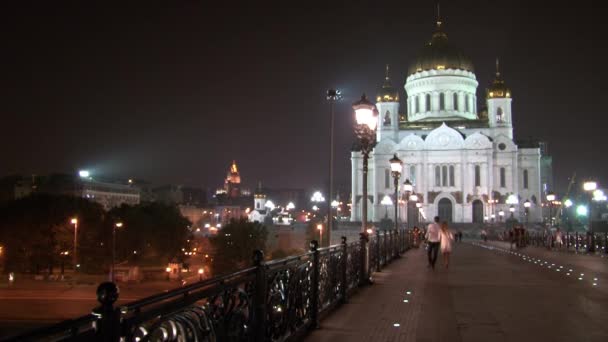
499	115
451	175
428	102
442	101
466	103
477	175
503	177
387	178
387	118
417	102
257	205
456	101
444	175
437	176
413	174
525	179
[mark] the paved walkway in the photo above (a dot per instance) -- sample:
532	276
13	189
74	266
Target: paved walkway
488	294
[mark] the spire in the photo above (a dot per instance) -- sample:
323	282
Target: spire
233	168
386	77
439	22
497	68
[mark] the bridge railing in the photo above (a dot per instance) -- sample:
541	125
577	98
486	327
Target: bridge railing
273	300
580	242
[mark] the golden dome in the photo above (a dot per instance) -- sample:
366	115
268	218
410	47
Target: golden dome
498	89
387	93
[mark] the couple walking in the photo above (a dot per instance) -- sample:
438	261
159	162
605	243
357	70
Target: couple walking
439	237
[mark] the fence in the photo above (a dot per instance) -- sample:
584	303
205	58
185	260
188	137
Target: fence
572	242
276	300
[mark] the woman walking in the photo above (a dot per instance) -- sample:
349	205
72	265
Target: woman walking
446	239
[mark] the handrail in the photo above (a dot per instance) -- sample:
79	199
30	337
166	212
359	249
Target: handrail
273	300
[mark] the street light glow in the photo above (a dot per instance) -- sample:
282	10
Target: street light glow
118	224
290	206
396	164
589	186
317	197
581	210
386	200
334	203
414	197
550	197
269	205
407	186
527	204
74	221
84	173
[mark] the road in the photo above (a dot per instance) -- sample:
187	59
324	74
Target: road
32	305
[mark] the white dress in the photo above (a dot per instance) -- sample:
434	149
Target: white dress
446	239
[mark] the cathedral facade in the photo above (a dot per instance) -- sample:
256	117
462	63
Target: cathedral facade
464	164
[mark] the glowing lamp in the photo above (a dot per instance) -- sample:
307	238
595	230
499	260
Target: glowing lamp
396	165
74	221
84	173
527	204
386	200
589	186
581	210
366	113
407	186
550	197
414	197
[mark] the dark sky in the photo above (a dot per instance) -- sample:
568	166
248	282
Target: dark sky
173	93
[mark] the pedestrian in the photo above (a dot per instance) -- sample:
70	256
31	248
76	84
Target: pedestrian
559	240
446	239
432	237
484	235
511	238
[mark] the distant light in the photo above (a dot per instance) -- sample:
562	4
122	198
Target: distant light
290	206
84	173
118	224
201	271
168	269
74	221
386	200
589	186
581	210
396	325
568	203
219	225
319	227
369	231
317	196
130	181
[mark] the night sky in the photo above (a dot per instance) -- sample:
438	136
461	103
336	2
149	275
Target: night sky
173	94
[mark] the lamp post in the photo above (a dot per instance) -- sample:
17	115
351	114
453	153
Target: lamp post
527	205
334	206
492	202
320	229
366	116
550	199
333	95
74	221
501	214
408	189
512	210
396	169
112	272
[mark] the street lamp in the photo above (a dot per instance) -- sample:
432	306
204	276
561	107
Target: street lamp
320	229
74	221
116	225
527	205
501	214
396	169
408	189
290	206
550	200
492	202
332	96
366	116
386	202
512	210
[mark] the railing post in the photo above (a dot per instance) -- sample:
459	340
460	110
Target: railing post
314	315
377	251
344	268
259	298
606	243
567	241
385	248
108	325
576	241
364	278
396	244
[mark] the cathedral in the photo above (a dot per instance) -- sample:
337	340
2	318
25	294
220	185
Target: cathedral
464	164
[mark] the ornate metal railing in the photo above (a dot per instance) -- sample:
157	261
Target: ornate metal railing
276	300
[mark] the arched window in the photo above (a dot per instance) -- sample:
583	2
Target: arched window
428	102
503	177
387	118
387	178
257	205
477	175
417	102
451	175
466	103
456	101
444	175
437	176
442	101
413	174
525	179
499	115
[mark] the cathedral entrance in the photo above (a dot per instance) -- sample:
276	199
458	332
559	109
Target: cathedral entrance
445	210
477	211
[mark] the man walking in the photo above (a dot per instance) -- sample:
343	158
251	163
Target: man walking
432	236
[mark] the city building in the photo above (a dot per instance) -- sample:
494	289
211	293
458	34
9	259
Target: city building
460	160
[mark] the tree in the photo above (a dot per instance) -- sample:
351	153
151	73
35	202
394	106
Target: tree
151	233
234	245
35	230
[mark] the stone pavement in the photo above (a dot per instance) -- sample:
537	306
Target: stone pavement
488	294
